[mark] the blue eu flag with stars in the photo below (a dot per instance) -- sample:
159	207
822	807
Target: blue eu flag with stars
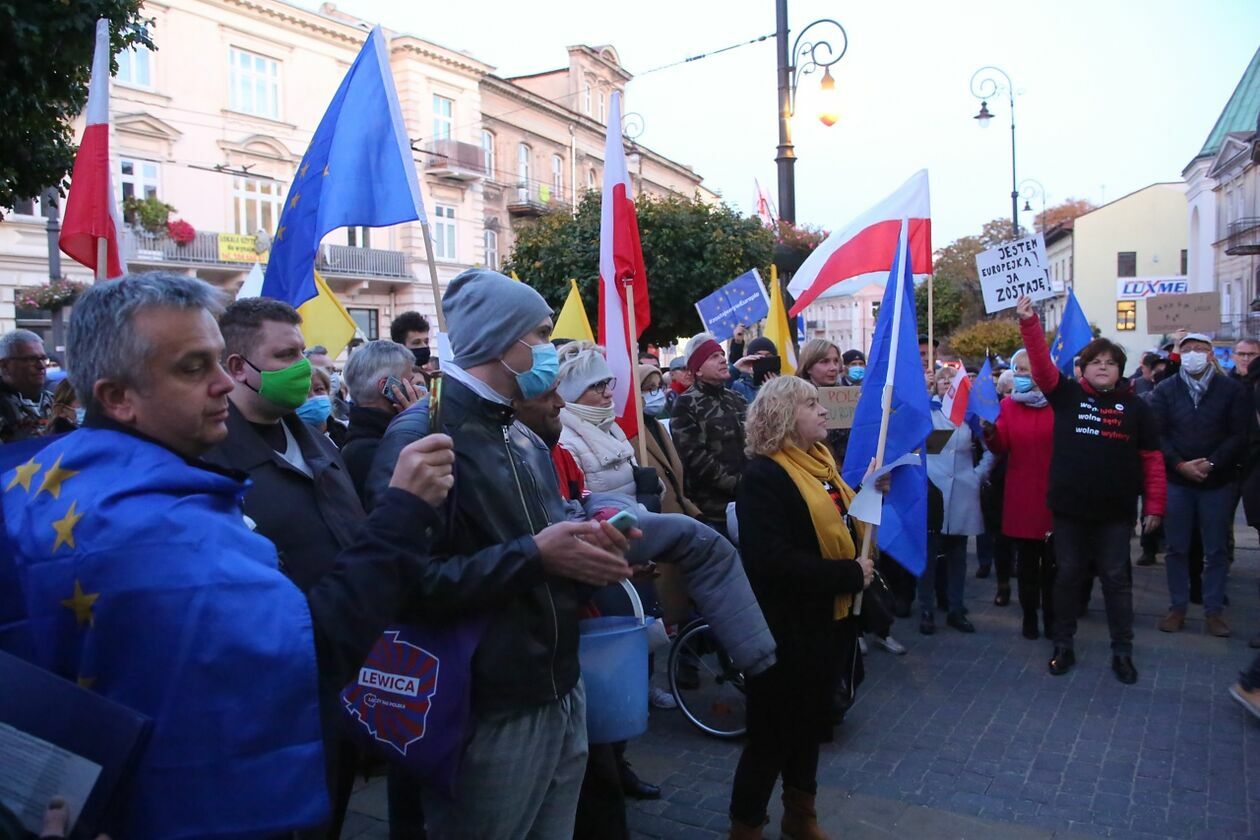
358	170
1074	333
903	525
132	571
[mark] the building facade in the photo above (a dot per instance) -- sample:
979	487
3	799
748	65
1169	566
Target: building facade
221	140
1125	252
1059	258
845	315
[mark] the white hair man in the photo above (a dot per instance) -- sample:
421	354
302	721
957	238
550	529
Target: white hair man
25	404
379	378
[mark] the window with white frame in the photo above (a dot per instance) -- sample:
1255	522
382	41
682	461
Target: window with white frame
590	178
557	177
254	84
359	237
492	250
443	117
487	152
603	116
135	67
444	232
137	178
523	154
586	99
256	203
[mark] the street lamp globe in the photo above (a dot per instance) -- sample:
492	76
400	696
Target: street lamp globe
984	116
829	100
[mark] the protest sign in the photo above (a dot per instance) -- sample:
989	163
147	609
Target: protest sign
741	301
1199	312
840	403
1010	271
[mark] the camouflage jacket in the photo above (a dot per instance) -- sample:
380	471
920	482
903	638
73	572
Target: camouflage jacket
22	417
707	425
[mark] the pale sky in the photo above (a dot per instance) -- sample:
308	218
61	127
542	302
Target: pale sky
1112	94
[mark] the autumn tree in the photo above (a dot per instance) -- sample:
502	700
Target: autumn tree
690	248
999	335
46	61
1064	212
957	300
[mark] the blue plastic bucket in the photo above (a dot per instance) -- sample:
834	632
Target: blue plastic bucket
613	652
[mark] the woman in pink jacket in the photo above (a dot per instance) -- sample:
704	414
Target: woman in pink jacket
1025	434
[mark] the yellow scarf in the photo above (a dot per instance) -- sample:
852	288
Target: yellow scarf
808	470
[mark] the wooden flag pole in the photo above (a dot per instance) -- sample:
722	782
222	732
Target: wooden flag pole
886	402
102	259
433	278
633	342
931	333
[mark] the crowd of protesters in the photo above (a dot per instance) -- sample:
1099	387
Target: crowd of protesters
376	507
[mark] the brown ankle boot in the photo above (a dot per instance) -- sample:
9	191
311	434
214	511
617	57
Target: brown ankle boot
800	820
740	831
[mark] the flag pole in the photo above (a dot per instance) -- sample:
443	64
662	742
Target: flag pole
433	278
102	258
886	397
931	333
632	340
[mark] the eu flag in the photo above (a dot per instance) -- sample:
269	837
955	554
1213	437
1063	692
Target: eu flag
984	402
14	628
1074	333
358	170
139	578
903	526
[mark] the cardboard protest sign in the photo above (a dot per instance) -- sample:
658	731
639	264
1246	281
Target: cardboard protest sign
1010	271
1200	312
741	301
840	403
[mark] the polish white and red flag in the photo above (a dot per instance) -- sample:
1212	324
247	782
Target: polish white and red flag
765	208
622	276
954	405
91	215
864	248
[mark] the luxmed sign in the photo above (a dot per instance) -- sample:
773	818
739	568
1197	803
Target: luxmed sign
1139	288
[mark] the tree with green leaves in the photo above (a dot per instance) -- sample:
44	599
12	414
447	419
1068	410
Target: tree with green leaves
690	249
46	62
956	297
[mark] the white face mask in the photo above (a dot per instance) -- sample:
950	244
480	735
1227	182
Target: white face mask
1194	361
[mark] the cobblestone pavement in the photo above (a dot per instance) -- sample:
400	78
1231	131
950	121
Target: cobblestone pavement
969	736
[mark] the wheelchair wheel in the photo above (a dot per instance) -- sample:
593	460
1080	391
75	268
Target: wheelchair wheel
707	685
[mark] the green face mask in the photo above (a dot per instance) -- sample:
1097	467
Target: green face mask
286	387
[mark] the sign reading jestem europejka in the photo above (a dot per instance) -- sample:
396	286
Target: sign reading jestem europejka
1010	271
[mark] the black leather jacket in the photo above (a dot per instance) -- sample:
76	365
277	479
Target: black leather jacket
505	491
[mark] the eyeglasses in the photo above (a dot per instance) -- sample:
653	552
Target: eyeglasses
651	392
602	385
28	360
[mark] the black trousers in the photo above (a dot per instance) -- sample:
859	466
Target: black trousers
1077	542
1003	558
601	811
763	761
1037	569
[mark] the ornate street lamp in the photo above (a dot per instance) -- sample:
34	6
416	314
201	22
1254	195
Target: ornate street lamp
985	84
1030	188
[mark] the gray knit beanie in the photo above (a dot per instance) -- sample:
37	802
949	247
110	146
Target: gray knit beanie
486	313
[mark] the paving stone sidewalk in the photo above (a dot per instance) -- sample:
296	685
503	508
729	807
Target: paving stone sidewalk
969	736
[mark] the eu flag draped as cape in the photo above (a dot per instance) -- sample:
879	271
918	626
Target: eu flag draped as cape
140	579
903	526
358	170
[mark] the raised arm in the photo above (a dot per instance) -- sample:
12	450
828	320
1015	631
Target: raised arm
1044	373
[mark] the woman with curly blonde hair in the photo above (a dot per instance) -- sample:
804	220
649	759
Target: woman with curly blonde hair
800	549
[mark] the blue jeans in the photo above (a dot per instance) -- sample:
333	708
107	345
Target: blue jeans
1211	511
954	549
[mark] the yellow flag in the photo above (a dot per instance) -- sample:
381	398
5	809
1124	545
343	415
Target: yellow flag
572	322
777	326
325	321
514	277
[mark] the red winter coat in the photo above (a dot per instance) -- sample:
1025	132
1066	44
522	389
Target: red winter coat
1026	436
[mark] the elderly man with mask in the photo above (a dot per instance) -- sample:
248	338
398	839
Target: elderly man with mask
1203	420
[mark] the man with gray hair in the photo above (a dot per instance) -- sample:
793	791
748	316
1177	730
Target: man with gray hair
379	378
25	405
142	580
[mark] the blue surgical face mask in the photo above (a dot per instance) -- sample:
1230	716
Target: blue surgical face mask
79	415
856	374
654	402
541	374
315	410
1023	384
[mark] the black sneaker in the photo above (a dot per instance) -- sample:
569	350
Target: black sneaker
1062	660
1125	672
927	624
960	623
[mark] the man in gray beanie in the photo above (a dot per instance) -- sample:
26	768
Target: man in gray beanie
508	553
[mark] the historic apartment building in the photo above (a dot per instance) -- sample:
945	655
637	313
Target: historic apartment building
220	139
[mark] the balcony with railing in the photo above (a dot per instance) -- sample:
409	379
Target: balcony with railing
1243	236
236	253
455	160
528	199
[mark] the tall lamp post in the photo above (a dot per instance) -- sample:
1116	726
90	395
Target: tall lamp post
1030	188
985	84
804	57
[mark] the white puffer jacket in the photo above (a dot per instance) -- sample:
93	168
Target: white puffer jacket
604	455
